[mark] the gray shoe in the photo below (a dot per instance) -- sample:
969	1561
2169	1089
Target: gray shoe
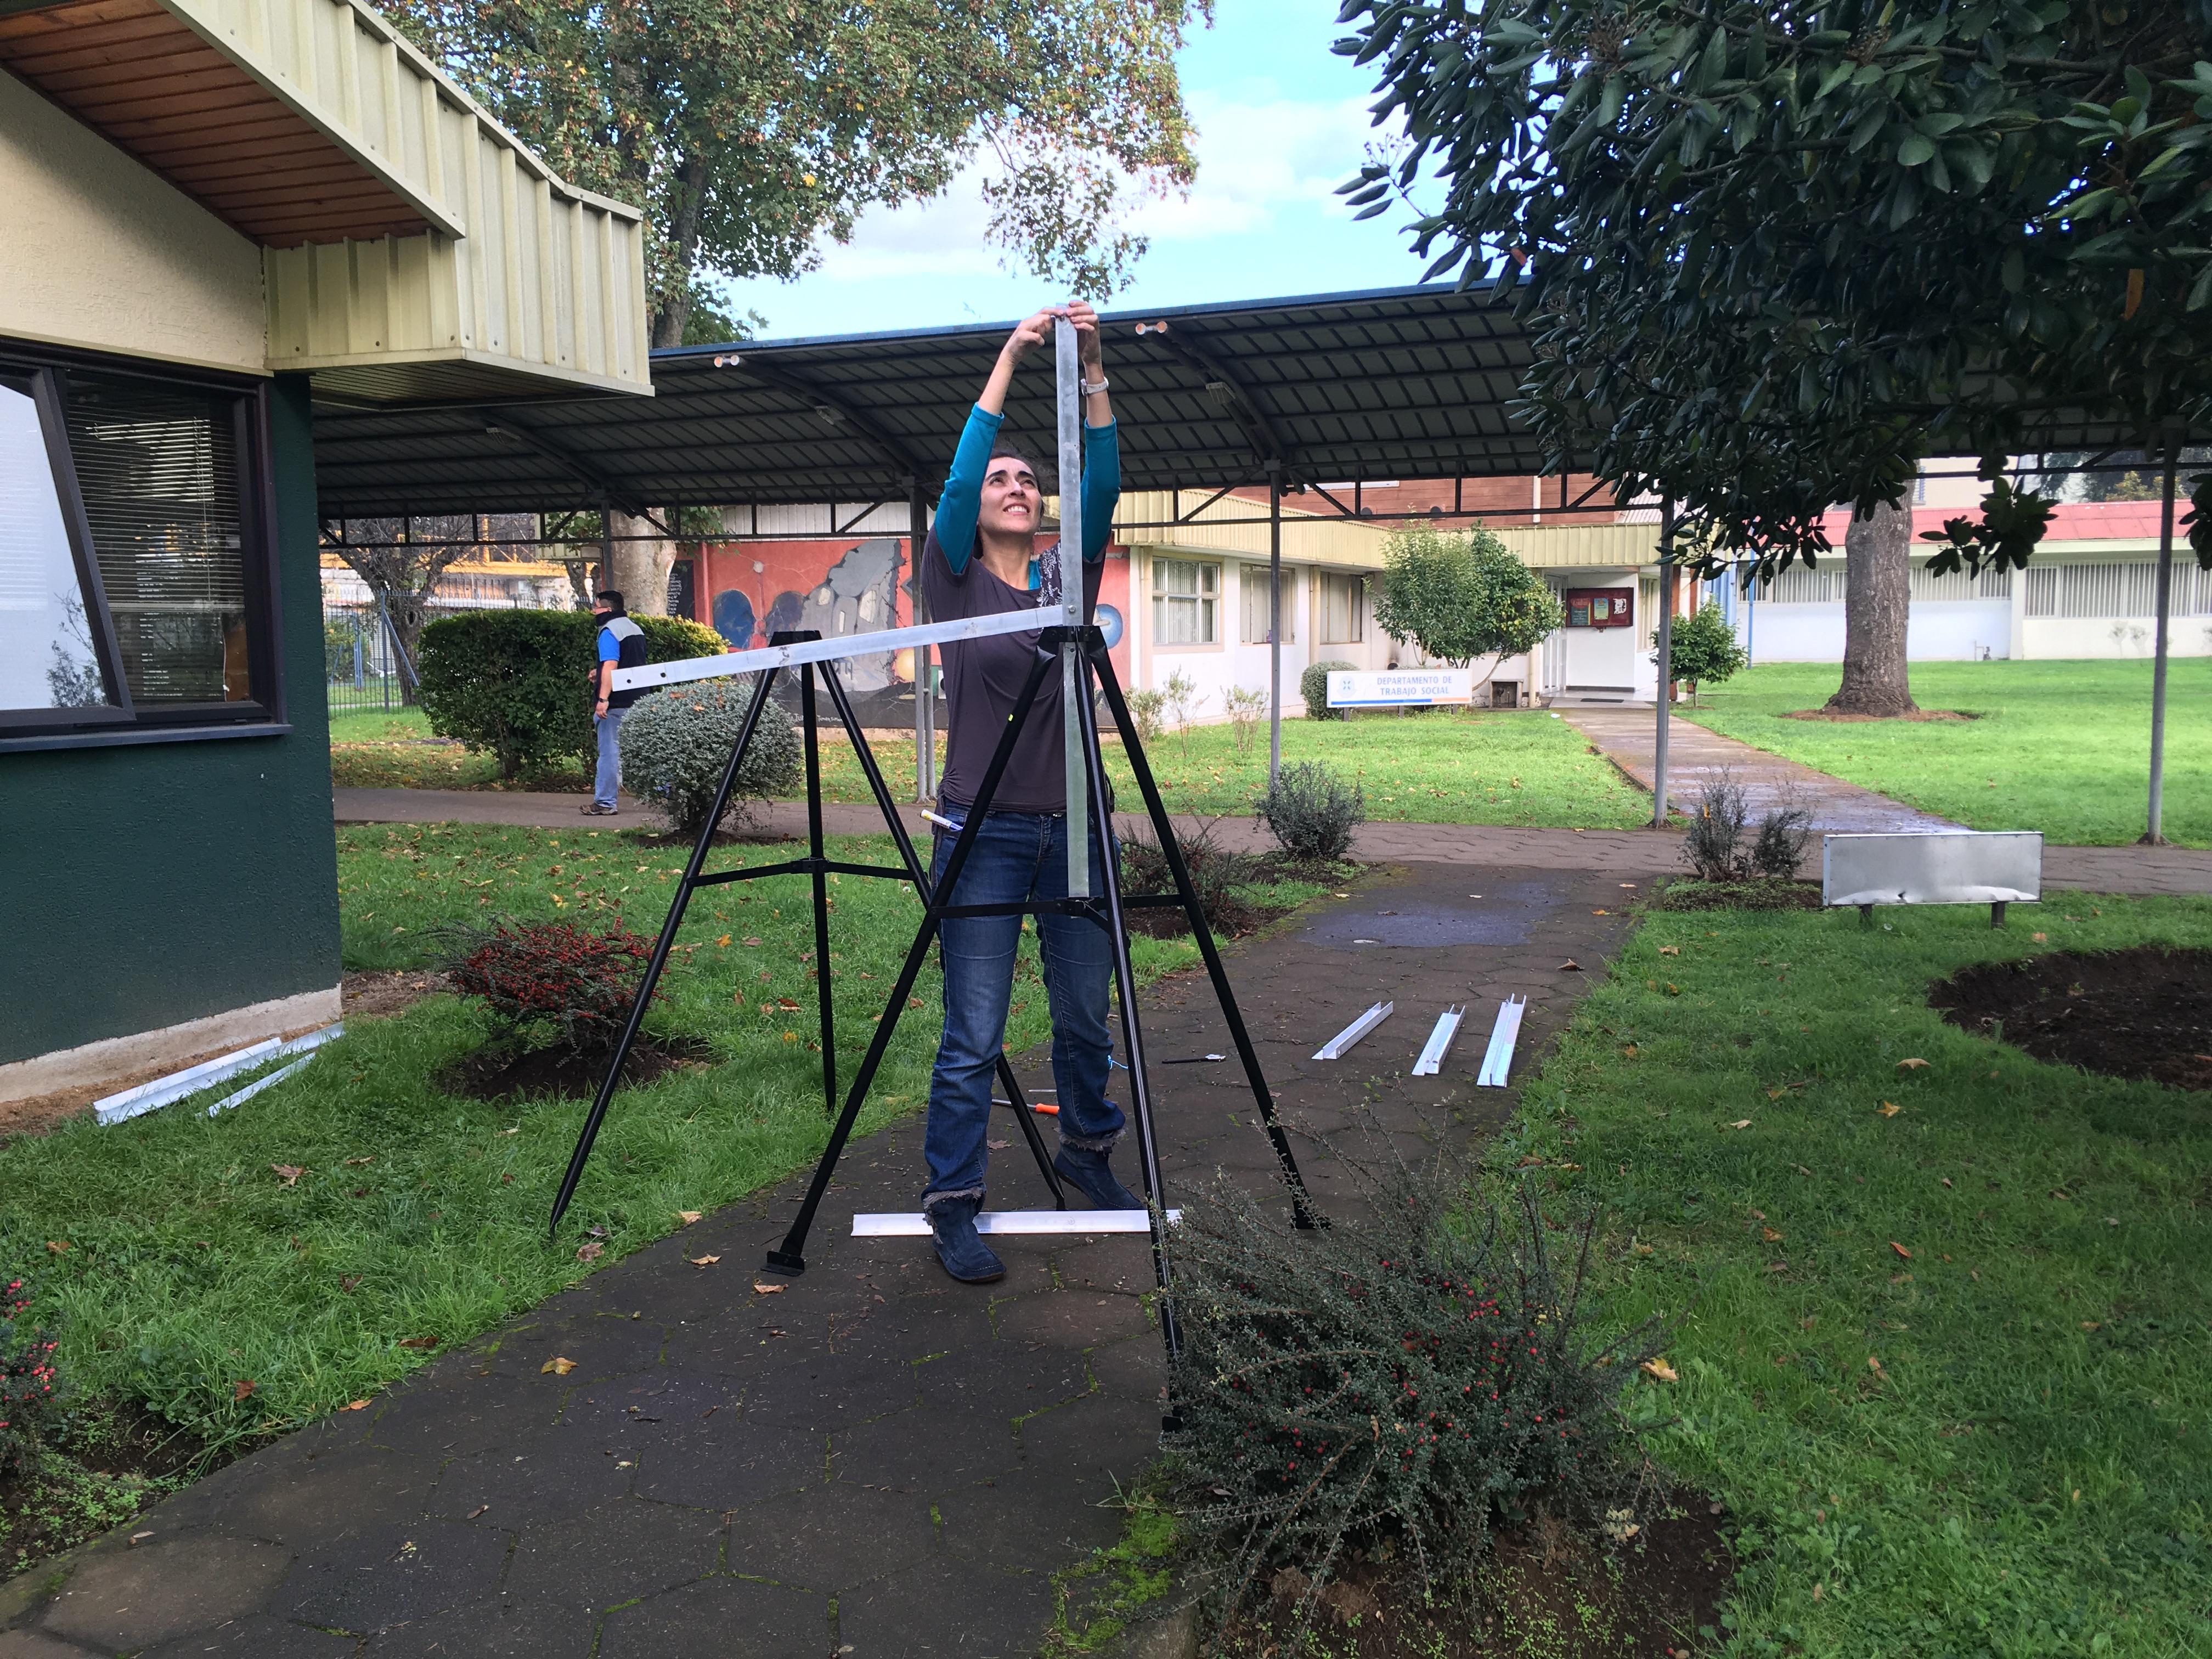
596	811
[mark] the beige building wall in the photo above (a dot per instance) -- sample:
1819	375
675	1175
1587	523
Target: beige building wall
101	253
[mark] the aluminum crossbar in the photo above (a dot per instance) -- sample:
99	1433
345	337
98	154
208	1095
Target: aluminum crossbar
648	675
1335	1047
1498	1060
912	1223
1432	1056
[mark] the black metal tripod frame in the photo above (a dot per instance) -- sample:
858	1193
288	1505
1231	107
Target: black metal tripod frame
1107	909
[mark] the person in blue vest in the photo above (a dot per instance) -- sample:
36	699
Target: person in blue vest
621	645
981	559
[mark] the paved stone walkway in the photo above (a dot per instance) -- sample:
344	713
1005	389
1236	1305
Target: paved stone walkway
876	1462
1627	854
1695	756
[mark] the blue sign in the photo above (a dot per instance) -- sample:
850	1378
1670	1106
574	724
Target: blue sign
1110	624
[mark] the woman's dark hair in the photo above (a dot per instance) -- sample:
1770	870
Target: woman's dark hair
1007	445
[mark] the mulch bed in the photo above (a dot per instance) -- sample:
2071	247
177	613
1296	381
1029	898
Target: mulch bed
502	1073
1213	869
1739	896
380	994
1545	1591
1917	714
2144	1012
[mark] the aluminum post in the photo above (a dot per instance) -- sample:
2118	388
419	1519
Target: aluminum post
1666	661
1068	362
1274	623
2154	835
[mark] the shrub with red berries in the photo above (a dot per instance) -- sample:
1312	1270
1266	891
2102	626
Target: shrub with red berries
28	1379
1396	1382
539	977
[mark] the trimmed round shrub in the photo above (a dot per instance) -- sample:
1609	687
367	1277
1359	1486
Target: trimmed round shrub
1313	813
675	744
1313	686
519	683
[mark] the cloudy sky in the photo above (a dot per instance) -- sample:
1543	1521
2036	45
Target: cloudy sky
1281	122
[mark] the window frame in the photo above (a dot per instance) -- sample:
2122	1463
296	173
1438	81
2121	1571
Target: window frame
126	720
1356	582
1206	601
1251	587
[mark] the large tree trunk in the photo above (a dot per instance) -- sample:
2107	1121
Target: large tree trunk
1877	599
641	567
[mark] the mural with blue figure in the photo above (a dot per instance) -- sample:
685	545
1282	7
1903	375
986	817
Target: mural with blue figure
733	617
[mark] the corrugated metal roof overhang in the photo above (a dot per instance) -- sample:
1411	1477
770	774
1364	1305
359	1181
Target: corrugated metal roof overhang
1396	383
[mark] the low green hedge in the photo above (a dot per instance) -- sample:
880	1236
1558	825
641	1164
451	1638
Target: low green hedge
519	683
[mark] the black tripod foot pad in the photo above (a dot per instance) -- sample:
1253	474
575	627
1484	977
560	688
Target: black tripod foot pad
784	1262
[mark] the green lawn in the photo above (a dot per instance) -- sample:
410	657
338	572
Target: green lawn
191	1267
2063	747
1995	1444
1521	767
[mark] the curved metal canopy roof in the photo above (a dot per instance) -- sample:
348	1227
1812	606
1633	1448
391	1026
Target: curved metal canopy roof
1398	383
1390	383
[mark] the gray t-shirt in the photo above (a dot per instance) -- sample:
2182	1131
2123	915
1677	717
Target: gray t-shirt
982	679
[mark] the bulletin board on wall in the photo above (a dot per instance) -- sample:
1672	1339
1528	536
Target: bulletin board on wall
1601	607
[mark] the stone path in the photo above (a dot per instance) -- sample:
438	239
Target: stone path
1695	756
1628	854
876	1462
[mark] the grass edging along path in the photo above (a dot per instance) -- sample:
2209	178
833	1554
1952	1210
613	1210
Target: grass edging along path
2063	747
193	1267
1949	1367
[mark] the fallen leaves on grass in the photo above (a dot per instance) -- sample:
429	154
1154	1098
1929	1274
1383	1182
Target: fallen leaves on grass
355	1406
1741	1123
353	1163
1888	1109
1670	950
1900	1250
348	1282
57	1245
687	1217
752	942
1769	1236
787	1006
423	1342
242	1389
1659	1370
558	1366
590	1252
2039	938
289	1174
1914	1064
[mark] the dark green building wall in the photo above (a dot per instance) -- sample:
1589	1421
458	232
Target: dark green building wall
146	884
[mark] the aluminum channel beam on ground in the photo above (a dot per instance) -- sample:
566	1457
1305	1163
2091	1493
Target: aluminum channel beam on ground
913	1223
1440	1040
1498	1060
1337	1046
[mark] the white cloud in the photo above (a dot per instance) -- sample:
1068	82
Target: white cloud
1255	160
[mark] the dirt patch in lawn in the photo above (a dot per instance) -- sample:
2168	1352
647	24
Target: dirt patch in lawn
496	1074
2144	1012
99	1465
1546	1591
1918	716
380	995
1739	896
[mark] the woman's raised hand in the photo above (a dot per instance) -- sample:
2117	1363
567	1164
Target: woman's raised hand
1030	333
1086	320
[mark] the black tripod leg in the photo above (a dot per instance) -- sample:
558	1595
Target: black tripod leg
1132	1034
822	999
1302	1210
659	960
919	876
791	1259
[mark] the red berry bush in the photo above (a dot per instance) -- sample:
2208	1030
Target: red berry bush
28	1379
537	978
1396	1383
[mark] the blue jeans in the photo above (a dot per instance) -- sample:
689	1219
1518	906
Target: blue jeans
1016	856
608	726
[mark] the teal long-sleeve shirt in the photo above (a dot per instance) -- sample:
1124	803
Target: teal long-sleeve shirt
963	497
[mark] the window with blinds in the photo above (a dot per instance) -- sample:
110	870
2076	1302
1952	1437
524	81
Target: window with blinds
1343	609
2078	592
129	545
1186	595
1252	589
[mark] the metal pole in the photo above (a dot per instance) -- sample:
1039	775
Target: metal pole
2155	835
1666	659
1274	622
1069	364
925	716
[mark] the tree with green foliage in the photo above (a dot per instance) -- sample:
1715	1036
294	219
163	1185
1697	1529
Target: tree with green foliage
1704	648
1774	253
1460	595
750	130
